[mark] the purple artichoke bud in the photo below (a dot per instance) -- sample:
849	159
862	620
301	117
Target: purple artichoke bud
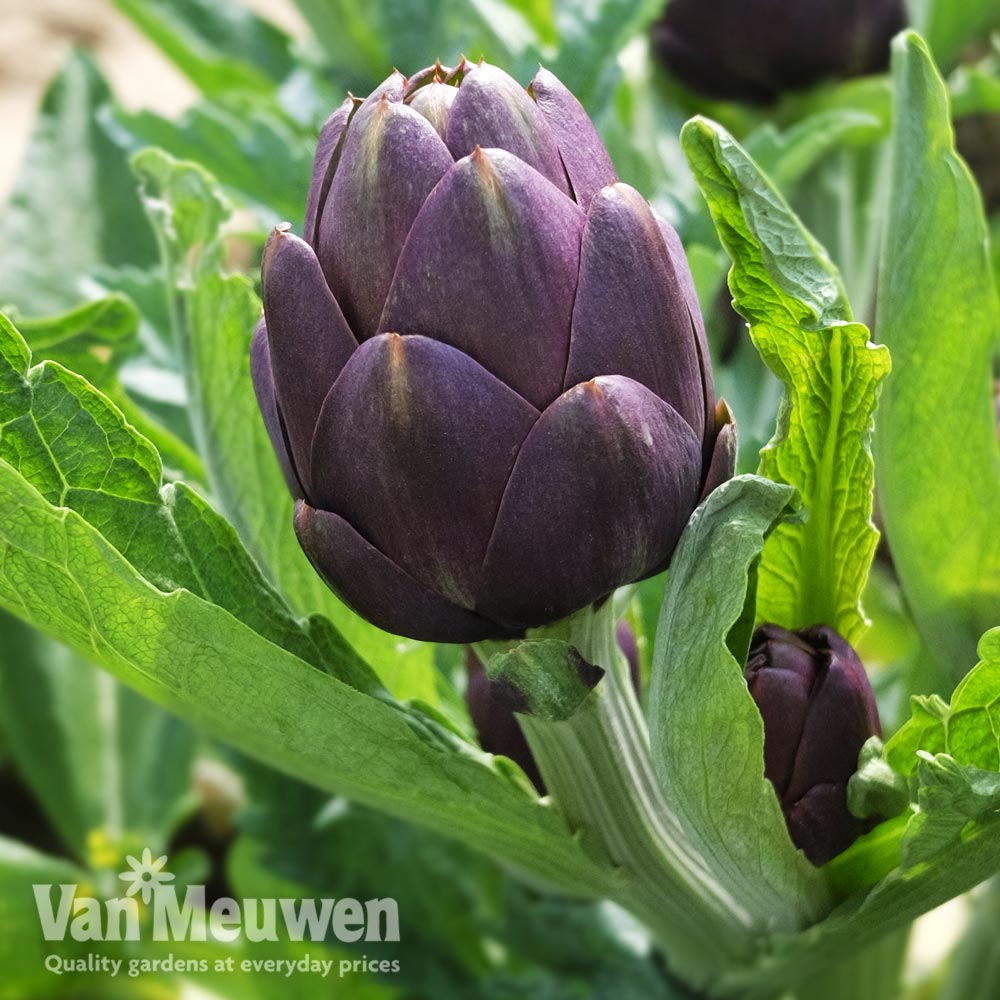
492	707
754	50
484	370
818	711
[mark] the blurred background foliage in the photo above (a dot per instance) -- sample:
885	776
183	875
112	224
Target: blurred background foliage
114	279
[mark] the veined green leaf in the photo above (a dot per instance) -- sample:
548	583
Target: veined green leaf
785	286
968	729
706	734
74	445
482	932
949	796
215	315
938	458
92	340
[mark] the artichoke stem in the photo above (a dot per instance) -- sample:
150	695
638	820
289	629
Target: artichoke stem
593	753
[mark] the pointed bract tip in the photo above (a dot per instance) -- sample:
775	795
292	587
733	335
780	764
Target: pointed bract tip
277	237
482	161
396	348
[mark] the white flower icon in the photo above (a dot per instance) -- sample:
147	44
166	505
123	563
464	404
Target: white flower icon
146	875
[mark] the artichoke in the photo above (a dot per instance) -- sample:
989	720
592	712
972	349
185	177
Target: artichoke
818	710
754	50
484	370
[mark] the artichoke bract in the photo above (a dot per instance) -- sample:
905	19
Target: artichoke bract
818	710
493	714
755	50
484	369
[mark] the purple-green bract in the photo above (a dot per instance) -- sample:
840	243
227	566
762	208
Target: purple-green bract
818	711
494	716
754	50
484	370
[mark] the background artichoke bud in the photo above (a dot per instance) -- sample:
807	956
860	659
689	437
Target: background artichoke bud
818	711
485	369
492	706
754	50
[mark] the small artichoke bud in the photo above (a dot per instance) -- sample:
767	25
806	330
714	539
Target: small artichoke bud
492	708
754	50
484	369
818	710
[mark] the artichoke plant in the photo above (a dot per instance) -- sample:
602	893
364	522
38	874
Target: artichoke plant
754	50
818	710
484	369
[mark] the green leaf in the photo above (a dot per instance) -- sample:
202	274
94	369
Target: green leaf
842	199
246	141
949	27
214	317
949	796
156	587
467	927
786	157
936	441
74	445
785	286
63	225
22	948
706	734
869	916
591	36
968	729
111	769
363	44
69	235
93	340
220	47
